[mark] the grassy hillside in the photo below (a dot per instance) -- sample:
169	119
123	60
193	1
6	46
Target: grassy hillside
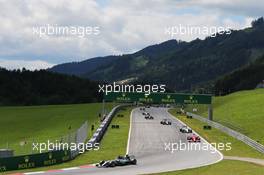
42	123
242	111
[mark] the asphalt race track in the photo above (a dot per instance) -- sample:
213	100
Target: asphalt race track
147	142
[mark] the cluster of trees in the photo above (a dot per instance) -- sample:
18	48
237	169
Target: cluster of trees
258	22
23	87
242	79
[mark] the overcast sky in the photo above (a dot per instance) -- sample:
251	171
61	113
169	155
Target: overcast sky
125	26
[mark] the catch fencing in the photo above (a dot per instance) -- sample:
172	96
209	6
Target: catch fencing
80	138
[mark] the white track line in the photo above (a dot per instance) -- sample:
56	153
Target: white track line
72	168
37	172
129	133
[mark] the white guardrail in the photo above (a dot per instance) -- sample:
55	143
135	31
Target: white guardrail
99	133
252	143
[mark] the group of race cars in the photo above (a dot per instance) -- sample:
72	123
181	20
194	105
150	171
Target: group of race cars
184	129
130	159
148	116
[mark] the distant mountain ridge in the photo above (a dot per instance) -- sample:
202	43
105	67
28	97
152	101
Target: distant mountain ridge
89	65
179	65
79	68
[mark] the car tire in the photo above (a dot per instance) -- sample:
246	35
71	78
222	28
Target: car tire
134	162
112	164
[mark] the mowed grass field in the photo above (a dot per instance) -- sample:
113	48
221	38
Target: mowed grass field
41	123
242	111
114	143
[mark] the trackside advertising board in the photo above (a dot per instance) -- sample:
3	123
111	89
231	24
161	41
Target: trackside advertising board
165	98
34	160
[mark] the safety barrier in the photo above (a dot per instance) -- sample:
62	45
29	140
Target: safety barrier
34	160
252	143
99	133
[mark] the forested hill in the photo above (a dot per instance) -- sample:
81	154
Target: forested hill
243	79
42	87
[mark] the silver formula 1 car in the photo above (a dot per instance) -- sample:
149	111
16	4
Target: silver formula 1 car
185	129
119	161
165	122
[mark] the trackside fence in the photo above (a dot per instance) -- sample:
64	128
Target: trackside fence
252	143
80	137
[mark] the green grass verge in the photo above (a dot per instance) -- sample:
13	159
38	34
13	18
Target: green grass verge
228	167
242	111
42	123
113	144
216	136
